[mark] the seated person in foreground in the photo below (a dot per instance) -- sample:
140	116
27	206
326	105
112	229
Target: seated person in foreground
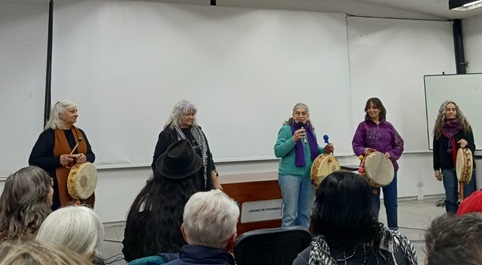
454	240
25	203
471	204
32	252
209	227
76	227
347	231
154	221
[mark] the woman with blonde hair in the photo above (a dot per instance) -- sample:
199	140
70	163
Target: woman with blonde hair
32	252
25	203
76	227
451	132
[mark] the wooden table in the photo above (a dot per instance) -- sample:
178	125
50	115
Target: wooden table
250	188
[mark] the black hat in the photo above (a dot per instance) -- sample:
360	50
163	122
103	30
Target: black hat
179	161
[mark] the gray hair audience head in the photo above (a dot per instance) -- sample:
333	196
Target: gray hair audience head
25	202
58	108
77	227
210	219
454	240
32	252
181	108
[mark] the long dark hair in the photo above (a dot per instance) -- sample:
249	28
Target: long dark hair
154	220
342	212
377	103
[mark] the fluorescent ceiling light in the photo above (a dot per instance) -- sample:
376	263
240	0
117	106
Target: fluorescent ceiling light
464	5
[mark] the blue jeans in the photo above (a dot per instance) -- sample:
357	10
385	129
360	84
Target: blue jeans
391	203
298	196
451	185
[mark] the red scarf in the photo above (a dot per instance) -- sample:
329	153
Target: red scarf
449	130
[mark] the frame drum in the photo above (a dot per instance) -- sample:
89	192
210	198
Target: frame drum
377	169
82	181
464	165
323	166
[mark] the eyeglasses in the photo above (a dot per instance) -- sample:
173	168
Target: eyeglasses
300	113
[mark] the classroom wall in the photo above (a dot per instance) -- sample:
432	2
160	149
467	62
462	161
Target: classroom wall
23	56
383	62
472	36
386	60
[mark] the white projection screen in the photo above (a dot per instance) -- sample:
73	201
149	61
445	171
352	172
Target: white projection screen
126	64
465	90
388	61
23	56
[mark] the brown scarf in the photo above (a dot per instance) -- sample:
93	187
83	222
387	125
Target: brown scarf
62	147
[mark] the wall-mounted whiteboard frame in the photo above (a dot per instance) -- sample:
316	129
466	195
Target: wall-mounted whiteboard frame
465	90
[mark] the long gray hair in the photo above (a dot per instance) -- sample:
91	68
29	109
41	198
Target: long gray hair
58	108
181	108
24	203
77	227
437	129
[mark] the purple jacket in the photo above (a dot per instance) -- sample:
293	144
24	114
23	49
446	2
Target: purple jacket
382	137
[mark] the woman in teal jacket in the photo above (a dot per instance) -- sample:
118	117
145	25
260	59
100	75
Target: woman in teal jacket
297	147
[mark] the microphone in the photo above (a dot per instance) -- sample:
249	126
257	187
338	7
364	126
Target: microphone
300	124
75	147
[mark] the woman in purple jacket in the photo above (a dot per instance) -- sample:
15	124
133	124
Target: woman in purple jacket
375	132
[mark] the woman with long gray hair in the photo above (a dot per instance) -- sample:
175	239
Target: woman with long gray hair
182	125
25	203
451	132
59	147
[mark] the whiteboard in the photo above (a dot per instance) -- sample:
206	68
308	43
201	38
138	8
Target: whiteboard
465	90
388	59
23	55
127	63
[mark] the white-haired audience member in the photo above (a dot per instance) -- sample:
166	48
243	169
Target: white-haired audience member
32	252
77	227
452	239
209	228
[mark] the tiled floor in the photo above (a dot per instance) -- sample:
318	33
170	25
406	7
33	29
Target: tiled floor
413	218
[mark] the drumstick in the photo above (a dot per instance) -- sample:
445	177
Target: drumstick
75	147
326	139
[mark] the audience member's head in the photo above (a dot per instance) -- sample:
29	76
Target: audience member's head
32	252
76	227
454	240
25	203
155	217
210	220
342	210
471	204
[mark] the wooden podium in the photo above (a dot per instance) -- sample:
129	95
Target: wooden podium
251	188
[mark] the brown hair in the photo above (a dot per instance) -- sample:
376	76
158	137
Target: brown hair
377	103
